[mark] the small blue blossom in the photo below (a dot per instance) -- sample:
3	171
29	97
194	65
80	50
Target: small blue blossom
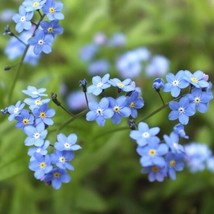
35	135
51	27
175	162
32	5
127	85
88	52
120	109
99	111
172	142
200	99
158	84
41	164
197	156
196	79
14	110
34	92
179	130
43	114
56	177
98	66
53	9
41	42
35	102
155	173
99	84
134	102
24	119
152	154
145	135
117	40
66	143
181	110
62	158
175	83
22	19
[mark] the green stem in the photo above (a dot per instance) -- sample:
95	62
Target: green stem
161	97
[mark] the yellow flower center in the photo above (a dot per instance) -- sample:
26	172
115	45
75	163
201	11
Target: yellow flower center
197	100
50	29
51	10
42	165
62	159
116	109
132	105
172	163
25	121
194	79
42	115
36	4
56	175
155	169
152	152
120	84
38	102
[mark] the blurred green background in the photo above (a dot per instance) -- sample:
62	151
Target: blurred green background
107	176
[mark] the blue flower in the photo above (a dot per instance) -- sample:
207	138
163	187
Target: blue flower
144	134
120	109
34	92
66	143
35	135
181	110
158	84
14	110
179	130
175	83
52	10
41	42
62	158
99	111
127	85
22	19
88	52
210	164
41	164
98	66
51	28
117	40
155	173
43	114
172	142
35	102
32	5
41	150
200	99
196	79
99	84
158	66
56	177
134	102
175	162
24	119
152	154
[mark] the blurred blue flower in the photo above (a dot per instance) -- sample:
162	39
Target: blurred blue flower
126	85
119	107
158	84
56	177
179	130
98	66
152	154
52	10
145	135
35	135
99	84
34	92
88	52
99	111
23	19
32	5
158	66
117	40
175	83
66	143
6	15
100	38
41	164
210	164
14	110
181	110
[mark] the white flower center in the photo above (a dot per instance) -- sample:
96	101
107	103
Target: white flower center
99	111
15	110
62	159
22	19
197	100
41	42
145	135
181	110
67	145
175	83
99	84
36	135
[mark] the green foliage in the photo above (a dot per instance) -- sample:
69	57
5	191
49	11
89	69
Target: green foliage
107	176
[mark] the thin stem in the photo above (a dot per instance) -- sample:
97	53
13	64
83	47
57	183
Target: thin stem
19	40
86	98
161	97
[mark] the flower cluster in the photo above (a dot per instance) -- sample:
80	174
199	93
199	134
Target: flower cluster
162	158
111	107
49	162
129	64
38	34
